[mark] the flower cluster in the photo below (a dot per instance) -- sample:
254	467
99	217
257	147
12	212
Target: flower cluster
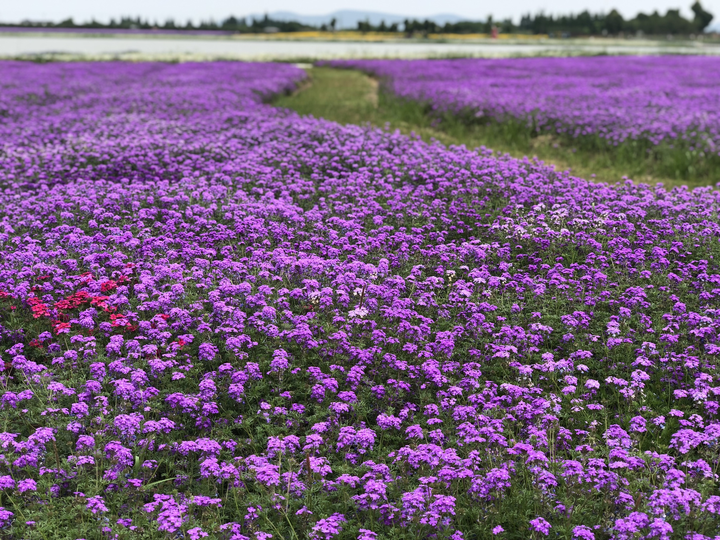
219	319
663	99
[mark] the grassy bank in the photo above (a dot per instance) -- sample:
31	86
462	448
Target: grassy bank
351	97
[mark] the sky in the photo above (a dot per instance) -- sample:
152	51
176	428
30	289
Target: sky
196	10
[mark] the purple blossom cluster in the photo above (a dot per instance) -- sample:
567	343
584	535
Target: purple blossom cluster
220	319
659	99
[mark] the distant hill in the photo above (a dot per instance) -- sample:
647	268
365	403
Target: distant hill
348	18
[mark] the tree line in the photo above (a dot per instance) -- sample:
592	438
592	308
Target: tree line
581	24
231	24
613	23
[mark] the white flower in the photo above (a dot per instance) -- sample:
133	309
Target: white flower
359	313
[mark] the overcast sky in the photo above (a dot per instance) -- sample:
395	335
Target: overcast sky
182	10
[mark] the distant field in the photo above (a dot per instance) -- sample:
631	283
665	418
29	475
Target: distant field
340	35
312	46
352	97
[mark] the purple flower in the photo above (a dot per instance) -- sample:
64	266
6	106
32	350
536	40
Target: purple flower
5	517
26	485
207	352
366	534
327	528
196	533
7	482
540	525
96	505
581	532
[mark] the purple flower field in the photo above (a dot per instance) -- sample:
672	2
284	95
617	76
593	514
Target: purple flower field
673	101
220	319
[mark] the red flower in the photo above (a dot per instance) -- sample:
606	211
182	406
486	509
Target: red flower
62	327
37	307
108	286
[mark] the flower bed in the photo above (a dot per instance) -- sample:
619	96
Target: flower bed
219	319
665	107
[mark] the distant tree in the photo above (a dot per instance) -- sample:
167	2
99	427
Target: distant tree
614	22
230	22
584	23
430	27
463	27
506	26
526	23
674	23
540	24
488	24
208	25
702	17
333	23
